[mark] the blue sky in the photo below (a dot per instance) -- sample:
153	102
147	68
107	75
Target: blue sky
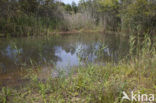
69	1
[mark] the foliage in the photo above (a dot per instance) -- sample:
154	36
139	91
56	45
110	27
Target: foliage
28	17
94	84
123	15
74	7
43	16
140	15
68	8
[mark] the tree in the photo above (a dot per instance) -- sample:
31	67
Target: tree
139	15
29	6
74	7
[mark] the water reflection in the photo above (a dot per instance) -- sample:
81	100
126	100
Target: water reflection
67	58
61	51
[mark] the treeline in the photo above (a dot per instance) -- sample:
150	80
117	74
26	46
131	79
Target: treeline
35	17
137	16
28	17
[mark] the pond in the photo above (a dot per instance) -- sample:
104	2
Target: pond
60	52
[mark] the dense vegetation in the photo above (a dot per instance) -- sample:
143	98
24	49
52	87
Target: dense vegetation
90	83
36	17
28	17
123	15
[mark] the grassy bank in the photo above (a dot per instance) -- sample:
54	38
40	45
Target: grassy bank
96	84
91	83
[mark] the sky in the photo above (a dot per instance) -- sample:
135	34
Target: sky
69	1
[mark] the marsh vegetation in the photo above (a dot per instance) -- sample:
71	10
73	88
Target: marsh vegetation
110	48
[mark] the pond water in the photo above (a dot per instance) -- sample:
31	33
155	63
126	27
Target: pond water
59	51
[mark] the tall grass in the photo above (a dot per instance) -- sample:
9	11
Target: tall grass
27	26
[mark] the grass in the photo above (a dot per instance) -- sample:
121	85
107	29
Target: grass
91	83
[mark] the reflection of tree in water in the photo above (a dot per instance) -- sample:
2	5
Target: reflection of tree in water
7	64
31	51
69	48
93	48
108	48
111	47
5	61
